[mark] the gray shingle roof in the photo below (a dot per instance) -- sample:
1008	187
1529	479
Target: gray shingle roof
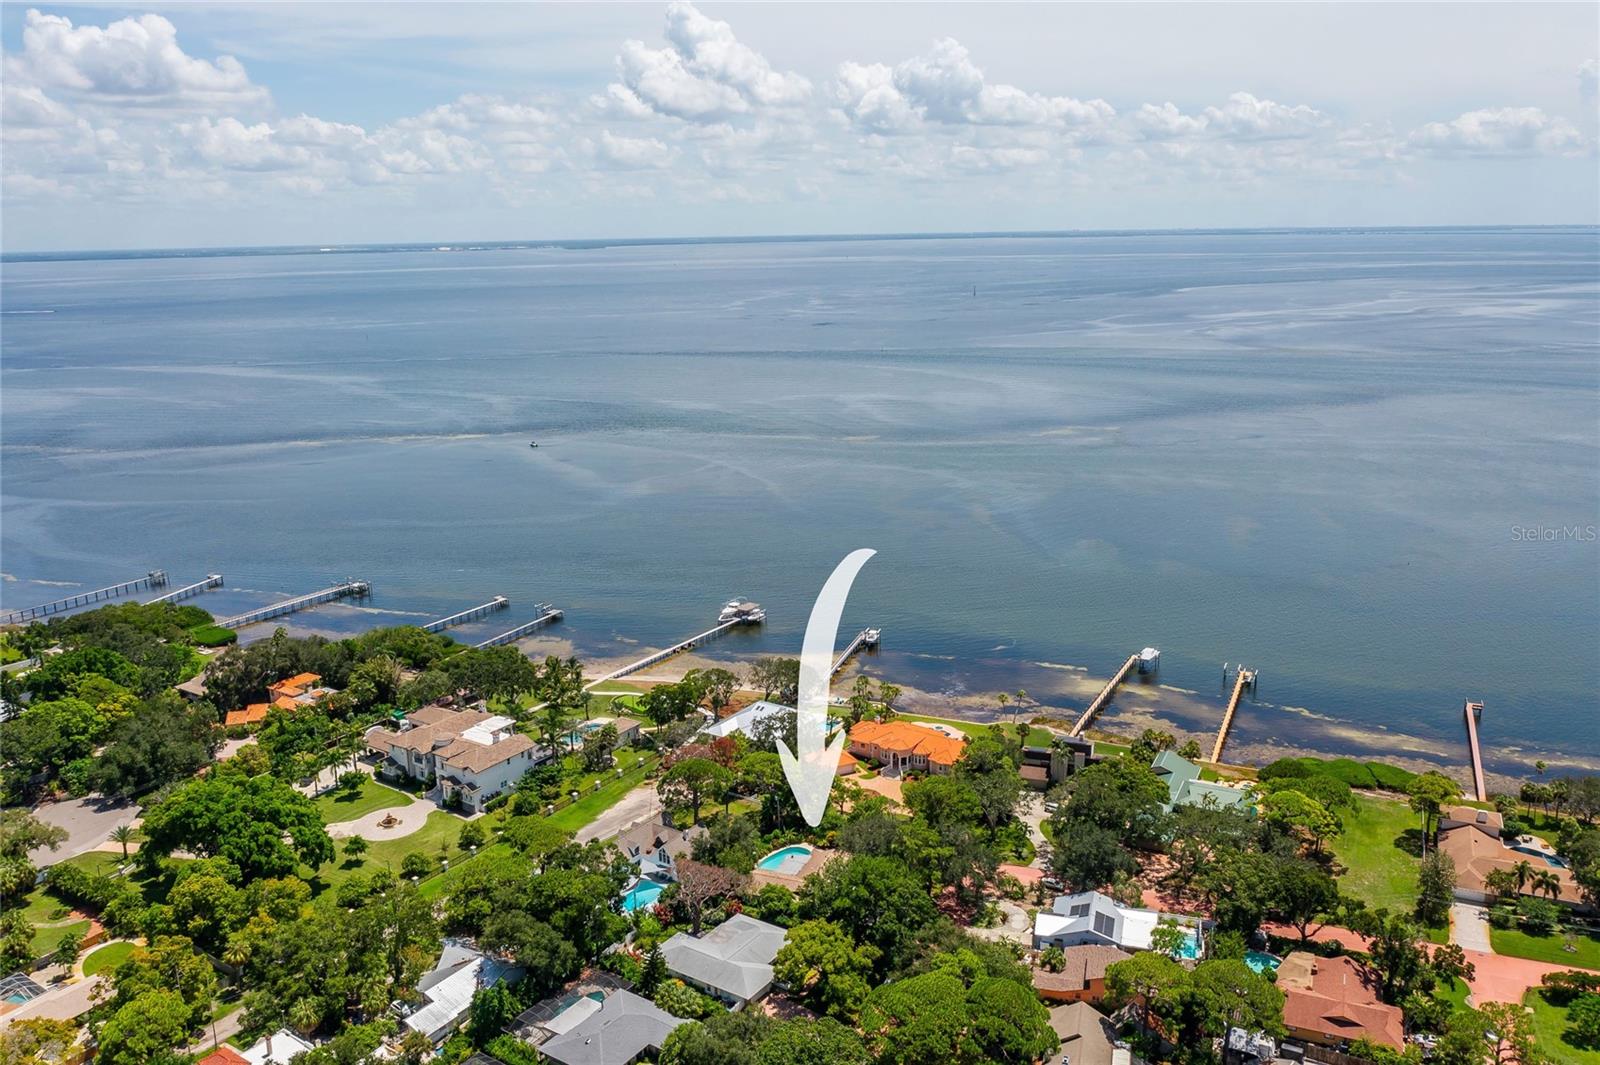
735	957
625	1026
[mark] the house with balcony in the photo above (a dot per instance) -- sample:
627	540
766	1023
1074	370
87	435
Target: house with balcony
906	746
470	756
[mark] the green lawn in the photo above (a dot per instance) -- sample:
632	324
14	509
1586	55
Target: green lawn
435	886
388	854
595	803
336	806
1549	1022
46	938
1519	944
97	863
107	957
1037	737
1380	870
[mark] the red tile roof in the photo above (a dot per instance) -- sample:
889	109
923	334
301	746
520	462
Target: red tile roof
224	1055
1337	998
907	738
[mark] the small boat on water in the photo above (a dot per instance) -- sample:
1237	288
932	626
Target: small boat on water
533	443
742	610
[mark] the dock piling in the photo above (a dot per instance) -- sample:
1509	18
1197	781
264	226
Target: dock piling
358	589
156	578
1473	712
546	612
499	602
213	580
1244	679
1105	695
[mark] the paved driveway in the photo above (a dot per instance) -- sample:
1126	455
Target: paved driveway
408	819
1498	978
88	823
1469	927
636	806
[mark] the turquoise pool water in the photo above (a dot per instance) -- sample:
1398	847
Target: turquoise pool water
1550	859
1191	947
789	860
1260	961
642	894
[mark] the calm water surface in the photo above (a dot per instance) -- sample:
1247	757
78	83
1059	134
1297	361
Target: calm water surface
1329	455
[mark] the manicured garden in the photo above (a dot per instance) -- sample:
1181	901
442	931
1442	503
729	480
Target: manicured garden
1375	847
1037	737
339	805
592	805
440	828
1519	944
108	957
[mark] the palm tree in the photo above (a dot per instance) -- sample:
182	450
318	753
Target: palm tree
123	834
305	1015
1546	882
1523	872
1003	699
236	953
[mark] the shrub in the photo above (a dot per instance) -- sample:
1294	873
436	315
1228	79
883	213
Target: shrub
681	1000
416	864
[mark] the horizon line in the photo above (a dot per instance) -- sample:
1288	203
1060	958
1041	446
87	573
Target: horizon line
371	247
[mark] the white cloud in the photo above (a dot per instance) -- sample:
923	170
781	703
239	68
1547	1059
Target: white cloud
946	87
705	75
132	60
1158	123
232	145
27	107
1500	131
629	153
1589	79
1246	117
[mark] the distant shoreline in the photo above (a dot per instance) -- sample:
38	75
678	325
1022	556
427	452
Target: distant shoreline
591	243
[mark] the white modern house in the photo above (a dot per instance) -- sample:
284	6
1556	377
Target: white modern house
447	990
746	719
472	755
1092	918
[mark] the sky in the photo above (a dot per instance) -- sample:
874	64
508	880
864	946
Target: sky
196	125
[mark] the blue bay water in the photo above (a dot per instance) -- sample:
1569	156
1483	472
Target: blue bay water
1307	451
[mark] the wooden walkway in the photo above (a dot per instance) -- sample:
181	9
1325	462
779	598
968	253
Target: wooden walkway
864	638
213	580
1473	712
499	602
154	579
1105	695
359	589
1245	679
547	614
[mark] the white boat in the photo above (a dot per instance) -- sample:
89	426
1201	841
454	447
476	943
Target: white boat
741	610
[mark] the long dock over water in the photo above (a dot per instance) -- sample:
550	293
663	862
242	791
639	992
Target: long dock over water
1245	679
346	589
1473	712
156	578
547	614
1105	695
213	580
864	638
499	602
663	655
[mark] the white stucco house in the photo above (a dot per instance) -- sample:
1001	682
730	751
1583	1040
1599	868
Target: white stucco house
1092	918
472	755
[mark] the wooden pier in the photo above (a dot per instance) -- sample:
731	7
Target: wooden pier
1105	695
346	589
499	602
1246	679
864	638
213	580
1473	712
547	614
755	617
154	579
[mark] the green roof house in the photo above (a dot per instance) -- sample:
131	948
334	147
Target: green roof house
1185	788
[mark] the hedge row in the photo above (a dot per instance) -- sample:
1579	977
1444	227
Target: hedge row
1348	770
209	635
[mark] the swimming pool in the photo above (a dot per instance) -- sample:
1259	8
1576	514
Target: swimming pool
1260	961
1190	948
788	860
576	737
642	894
1549	858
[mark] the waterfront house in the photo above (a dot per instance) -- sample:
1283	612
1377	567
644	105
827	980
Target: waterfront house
906	746
1185	788
1333	1001
1043	767
732	962
1090	917
472	755
744	721
302	689
1472	838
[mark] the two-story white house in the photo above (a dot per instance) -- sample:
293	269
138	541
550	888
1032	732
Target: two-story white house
472	755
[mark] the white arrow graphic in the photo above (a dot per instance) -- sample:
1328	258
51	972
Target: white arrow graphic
811	773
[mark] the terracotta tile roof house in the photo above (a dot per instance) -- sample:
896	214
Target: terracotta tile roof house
296	685
1330	1001
253	714
1477	853
473	754
224	1055
1082	978
906	745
